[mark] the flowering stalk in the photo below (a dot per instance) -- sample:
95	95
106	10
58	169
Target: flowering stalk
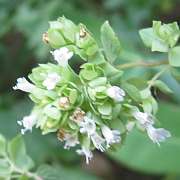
91	109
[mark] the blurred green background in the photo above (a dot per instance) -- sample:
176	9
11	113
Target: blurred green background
22	23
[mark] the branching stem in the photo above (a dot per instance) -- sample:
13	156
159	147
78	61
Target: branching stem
142	64
156	76
19	171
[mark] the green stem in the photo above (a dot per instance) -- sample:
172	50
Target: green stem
151	82
142	64
20	171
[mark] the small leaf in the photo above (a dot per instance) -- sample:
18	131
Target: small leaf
55	38
159	45
105	109
48	173
174	56
98	82
162	86
61	173
5	169
132	91
23	177
17	153
110	42
147	36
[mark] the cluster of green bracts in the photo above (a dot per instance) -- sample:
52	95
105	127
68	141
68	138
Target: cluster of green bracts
92	108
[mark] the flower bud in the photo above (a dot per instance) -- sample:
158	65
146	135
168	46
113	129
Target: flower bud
64	102
78	115
45	37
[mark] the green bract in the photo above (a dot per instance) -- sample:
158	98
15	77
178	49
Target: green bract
160	37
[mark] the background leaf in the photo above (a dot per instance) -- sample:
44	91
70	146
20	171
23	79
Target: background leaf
17	153
60	173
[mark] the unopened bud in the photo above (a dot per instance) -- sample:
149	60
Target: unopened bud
64	102
82	32
45	37
78	115
61	134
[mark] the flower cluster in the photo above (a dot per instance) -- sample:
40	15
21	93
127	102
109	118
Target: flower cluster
89	110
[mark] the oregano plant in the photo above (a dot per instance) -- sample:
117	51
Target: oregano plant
95	108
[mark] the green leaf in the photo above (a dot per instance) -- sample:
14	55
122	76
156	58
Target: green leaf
162	86
56	40
114	75
110	42
17	153
148	157
150	105
159	45
132	91
147	36
101	81
2	145
174	56
23	177
5	169
60	173
69	29
105	109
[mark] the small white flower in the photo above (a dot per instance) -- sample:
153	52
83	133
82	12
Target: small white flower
111	136
27	122
24	85
86	152
144	119
62	56
116	93
98	141
157	135
51	81
71	140
87	126
130	126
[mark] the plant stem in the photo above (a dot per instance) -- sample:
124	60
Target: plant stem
151	82
142	64
19	171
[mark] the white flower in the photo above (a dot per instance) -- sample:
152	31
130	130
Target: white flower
51	81
87	126
144	119
71	140
157	135
24	85
116	93
111	136
27	122
98	141
86	152
62	56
